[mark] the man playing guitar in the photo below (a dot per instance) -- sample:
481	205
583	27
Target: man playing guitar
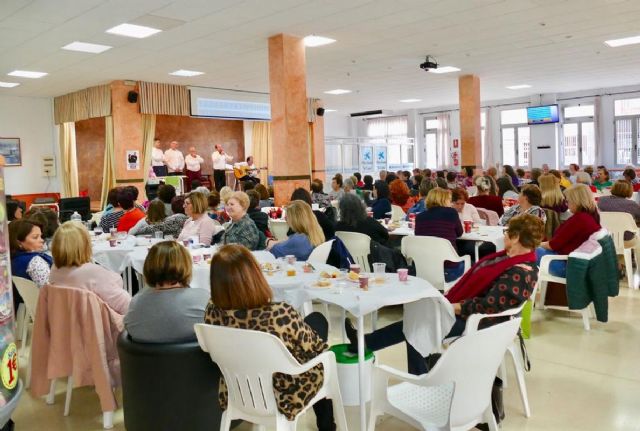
247	171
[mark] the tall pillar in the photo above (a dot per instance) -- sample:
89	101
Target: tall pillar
471	142
289	128
317	145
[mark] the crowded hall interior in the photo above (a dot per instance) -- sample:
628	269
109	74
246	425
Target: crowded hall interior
333	215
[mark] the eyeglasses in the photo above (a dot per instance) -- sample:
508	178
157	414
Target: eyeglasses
186	203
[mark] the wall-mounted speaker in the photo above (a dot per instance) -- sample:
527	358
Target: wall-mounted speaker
132	96
320	111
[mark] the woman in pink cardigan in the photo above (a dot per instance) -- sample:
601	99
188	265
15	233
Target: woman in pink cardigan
73	267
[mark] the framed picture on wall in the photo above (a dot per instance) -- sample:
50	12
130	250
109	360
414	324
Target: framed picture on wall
10	150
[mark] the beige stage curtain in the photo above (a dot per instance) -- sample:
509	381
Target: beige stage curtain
91	102
68	161
109	170
164	99
148	135
261	139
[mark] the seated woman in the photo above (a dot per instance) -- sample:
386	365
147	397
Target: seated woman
494	284
307	233
382	205
14	210
171	225
318	196
155	215
111	217
368	182
603	180
466	211
261	219
27	257
327	226
199	223
132	214
505	184
426	186
166	193
529	201
485	198
575	230
47	219
552	197
265	201
442	221
167	308
353	218
620	201
241	229
74	267
213	200
242	293
400	195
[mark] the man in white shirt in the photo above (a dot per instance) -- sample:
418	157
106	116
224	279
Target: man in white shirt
174	159
194	165
250	170
220	159
157	159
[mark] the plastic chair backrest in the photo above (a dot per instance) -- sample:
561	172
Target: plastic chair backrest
510	194
428	254
247	359
320	254
29	292
397	213
617	223
473	320
491	217
472	190
359	246
473	378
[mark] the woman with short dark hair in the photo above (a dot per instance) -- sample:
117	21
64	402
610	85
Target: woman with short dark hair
382	205
353	218
132	214
26	246
619	201
529	202
318	196
111	217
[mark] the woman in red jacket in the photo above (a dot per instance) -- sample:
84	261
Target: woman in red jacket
577	229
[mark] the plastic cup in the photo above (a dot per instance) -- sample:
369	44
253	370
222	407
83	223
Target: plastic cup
370	214
387	220
197	258
412	217
113	242
97	231
113	232
468	224
158	235
186	242
379	272
207	254
363	279
411	225
403	274
354	267
291	259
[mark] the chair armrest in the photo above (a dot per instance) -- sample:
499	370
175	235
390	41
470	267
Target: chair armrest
545	261
401	375
327	359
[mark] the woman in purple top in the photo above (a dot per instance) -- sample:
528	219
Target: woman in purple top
442	221
619	201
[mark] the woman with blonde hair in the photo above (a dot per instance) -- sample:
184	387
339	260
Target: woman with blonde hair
199	223
225	193
552	197
239	292
577	229
241	229
156	214
167	308
307	233
73	267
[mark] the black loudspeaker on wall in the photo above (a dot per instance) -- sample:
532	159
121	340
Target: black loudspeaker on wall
320	112
132	96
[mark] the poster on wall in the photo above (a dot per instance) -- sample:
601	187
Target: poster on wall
366	156
133	160
10	150
455	154
381	157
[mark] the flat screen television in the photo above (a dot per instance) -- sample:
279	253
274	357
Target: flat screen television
542	114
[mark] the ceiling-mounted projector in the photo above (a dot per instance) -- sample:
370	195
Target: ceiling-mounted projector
429	63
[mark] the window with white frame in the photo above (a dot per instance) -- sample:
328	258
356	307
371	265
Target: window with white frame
579	135
516	137
627	131
393	131
431	142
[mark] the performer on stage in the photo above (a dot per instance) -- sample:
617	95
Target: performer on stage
194	166
220	159
157	159
174	159
251	172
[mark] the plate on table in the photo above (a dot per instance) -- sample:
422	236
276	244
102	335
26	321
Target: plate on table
323	283
270	267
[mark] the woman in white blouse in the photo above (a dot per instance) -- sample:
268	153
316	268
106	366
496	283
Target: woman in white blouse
199	223
466	211
157	159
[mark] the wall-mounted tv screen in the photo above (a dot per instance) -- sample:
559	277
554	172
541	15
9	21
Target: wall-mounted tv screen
542	114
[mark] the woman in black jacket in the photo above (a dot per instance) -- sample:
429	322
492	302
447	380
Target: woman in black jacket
353	218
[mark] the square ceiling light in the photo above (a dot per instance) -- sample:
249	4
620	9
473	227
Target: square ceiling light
27	74
132	30
92	48
614	43
8	84
338	91
313	40
444	69
184	72
518	87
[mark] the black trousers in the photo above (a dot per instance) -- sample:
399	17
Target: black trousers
250	178
219	177
160	171
323	408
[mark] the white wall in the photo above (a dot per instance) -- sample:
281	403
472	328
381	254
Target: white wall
31	120
337	125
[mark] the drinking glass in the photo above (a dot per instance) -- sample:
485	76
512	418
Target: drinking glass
379	272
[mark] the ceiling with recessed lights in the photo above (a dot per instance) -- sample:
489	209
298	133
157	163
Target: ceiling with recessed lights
551	45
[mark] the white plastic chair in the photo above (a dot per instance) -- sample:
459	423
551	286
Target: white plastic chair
320	254
429	254
513	349
617	223
397	213
29	292
490	217
510	194
472	190
456	393
359	247
248	359
279	229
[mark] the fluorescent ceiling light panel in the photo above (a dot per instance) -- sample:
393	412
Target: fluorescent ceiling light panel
518	87
183	72
614	43
27	74
411	100
92	48
8	84
314	40
338	91
329	110
132	30
444	69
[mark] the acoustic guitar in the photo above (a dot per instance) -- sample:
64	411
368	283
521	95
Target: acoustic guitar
241	171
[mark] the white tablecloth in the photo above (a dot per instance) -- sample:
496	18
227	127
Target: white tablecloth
113	258
493	234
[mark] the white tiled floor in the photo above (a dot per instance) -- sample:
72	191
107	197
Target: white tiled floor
579	380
